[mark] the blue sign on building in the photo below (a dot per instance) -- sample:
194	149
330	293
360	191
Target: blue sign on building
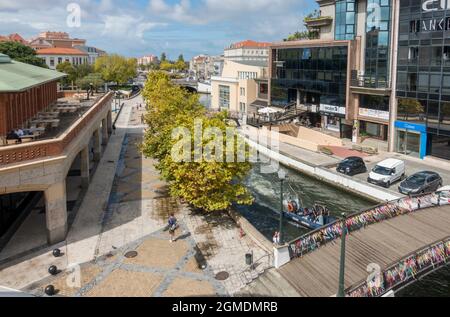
419	129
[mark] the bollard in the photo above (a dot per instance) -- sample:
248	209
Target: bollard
57	253
50	290
53	270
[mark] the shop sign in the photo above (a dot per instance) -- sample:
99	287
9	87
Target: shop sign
332	109
371	113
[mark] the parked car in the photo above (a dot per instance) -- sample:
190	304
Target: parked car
387	172
420	183
352	166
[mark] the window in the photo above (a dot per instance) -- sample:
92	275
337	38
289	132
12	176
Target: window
60	60
345	20
224	96
242	91
52	61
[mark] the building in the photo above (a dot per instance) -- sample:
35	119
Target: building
343	79
93	53
240	85
55	39
422	114
147	60
55	56
248	51
13	38
40	178
203	67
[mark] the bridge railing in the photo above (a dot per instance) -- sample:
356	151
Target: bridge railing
404	271
331	232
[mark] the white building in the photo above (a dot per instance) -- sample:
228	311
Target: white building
56	55
93	52
248	51
204	66
147	60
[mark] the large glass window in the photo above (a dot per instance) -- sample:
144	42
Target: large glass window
345	24
318	73
224	97
378	26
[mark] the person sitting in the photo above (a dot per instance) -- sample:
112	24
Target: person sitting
12	135
306	212
20	132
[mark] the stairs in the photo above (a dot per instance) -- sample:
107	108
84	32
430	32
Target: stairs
269	284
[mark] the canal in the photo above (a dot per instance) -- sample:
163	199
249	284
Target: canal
266	191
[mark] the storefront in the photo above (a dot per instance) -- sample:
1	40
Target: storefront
411	139
332	117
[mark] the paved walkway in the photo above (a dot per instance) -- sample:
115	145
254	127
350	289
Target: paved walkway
126	209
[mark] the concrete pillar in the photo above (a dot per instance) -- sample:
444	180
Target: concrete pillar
105	135
84	166
56	212
109	122
97	145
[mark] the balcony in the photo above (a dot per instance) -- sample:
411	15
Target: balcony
369	84
53	130
315	23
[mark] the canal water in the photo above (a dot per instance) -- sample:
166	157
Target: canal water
266	190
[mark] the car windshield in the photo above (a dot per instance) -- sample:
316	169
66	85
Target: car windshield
382	170
417	179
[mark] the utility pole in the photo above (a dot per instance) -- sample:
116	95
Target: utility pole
341	291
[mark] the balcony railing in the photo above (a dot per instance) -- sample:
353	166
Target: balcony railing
55	146
367	81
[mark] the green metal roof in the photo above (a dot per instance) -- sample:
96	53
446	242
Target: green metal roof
17	77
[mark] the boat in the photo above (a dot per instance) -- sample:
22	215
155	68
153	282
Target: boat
311	218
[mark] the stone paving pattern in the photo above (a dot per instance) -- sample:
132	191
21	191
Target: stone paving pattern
135	219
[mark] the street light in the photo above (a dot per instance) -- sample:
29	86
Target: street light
282	177
341	291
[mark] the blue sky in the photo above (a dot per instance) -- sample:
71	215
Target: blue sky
136	28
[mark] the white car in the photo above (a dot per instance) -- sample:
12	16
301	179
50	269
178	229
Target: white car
444	194
387	172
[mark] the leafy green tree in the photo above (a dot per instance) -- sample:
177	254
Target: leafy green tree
116	68
167	66
181	58
67	68
163	57
90	83
21	53
209	185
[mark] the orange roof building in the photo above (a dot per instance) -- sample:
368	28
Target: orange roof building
56	55
13	38
248	51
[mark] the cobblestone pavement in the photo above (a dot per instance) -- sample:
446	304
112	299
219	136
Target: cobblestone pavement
135	220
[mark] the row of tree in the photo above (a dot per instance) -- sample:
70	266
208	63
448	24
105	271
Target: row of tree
21	53
206	184
167	65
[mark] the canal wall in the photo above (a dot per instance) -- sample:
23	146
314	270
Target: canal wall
251	231
332	178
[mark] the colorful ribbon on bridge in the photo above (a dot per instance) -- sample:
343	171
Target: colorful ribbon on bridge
405	270
314	240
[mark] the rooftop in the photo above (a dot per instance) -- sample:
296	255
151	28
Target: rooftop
60	51
17	77
250	44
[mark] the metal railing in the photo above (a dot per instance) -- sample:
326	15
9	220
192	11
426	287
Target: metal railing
405	271
367	81
356	221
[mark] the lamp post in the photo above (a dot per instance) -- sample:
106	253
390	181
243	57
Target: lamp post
341	291
282	176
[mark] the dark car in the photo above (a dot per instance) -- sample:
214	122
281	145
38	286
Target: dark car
352	166
420	183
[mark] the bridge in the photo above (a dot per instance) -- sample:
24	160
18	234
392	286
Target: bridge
191	86
388	247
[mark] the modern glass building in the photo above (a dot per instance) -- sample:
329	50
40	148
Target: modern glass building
314	76
423	84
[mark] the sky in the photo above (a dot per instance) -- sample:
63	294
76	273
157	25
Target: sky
142	27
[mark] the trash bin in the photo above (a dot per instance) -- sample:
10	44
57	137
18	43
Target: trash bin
249	258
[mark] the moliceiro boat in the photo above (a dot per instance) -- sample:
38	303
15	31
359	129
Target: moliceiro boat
312	218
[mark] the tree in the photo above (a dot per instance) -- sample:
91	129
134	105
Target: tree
163	57
180	65
116	68
304	35
167	66
21	53
90	83
209	185
181	58
68	69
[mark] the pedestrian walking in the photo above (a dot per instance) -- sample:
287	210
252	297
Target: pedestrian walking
114	129
276	238
173	224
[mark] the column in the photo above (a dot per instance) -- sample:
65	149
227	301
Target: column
97	145
56	212
84	166
109	122
105	135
